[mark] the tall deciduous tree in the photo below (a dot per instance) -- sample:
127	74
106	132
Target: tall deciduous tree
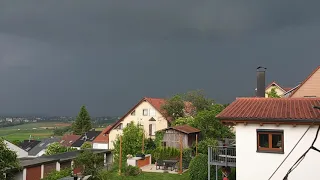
198	100
174	107
8	160
210	126
83	122
131	141
273	93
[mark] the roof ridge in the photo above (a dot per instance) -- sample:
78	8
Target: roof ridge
304	81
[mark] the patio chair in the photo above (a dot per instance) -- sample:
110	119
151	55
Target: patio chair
159	163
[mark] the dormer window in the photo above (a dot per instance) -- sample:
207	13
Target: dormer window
133	113
145	112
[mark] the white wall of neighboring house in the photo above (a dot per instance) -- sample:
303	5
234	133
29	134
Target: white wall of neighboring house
20	152
254	165
278	91
100	146
160	123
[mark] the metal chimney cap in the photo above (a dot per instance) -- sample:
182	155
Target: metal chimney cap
260	67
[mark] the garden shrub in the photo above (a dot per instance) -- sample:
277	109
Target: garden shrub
58	174
132	170
203	145
199	167
166	153
186	157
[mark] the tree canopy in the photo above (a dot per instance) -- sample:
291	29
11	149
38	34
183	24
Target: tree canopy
174	107
86	145
273	93
198	100
57	148
8	160
82	123
131	141
89	162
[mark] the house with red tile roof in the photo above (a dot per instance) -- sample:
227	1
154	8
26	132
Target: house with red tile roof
267	130
102	140
148	114
279	89
68	139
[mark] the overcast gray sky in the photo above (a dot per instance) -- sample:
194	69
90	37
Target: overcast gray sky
57	55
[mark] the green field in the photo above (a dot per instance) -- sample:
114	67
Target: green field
37	130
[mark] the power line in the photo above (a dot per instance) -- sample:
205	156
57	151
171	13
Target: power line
302	157
290	152
296	164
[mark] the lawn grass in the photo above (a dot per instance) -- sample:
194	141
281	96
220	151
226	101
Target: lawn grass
23	131
153	176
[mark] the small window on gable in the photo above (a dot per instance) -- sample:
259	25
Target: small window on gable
270	141
152	112
119	126
145	112
133	113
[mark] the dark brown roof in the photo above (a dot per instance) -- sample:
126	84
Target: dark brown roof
184	129
272	109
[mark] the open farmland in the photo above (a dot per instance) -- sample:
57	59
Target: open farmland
37	130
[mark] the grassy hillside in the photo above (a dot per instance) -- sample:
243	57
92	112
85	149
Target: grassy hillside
37	130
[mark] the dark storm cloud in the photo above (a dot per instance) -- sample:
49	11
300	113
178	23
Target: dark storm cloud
58	55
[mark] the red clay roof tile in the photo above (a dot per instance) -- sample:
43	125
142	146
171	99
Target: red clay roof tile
291	109
103	137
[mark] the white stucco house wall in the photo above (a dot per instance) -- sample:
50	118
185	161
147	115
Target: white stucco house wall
20	152
267	130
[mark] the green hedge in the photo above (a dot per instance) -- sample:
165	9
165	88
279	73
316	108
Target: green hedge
165	153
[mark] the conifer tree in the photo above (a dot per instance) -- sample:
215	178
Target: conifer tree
82	123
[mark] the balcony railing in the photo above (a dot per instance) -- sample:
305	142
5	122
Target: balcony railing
222	156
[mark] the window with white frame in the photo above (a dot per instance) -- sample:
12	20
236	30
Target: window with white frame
145	112
152	112
152	129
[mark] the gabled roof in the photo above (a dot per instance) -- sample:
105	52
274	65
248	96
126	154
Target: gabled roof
69	139
103	137
27	145
87	137
184	129
13	147
157	104
277	85
314	71
43	145
272	110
